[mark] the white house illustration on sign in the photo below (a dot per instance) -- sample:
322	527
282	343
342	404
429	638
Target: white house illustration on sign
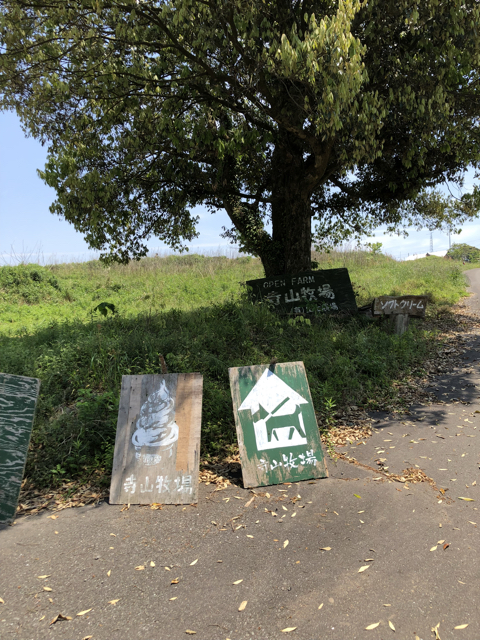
276	413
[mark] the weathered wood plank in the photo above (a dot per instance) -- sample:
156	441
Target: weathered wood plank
276	426
400	323
157	446
394	305
18	399
327	290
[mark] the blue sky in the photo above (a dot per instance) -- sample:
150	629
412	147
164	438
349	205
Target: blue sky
29	230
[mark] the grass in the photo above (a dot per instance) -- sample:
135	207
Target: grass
193	311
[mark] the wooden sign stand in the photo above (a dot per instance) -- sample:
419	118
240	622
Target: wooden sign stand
18	398
277	430
157	446
400	309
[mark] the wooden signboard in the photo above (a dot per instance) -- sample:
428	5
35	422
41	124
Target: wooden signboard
328	290
18	398
157	447
400	305
276	426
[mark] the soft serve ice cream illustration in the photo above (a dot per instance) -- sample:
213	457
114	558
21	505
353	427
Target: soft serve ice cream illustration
155	431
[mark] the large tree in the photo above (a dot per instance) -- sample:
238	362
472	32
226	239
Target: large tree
343	111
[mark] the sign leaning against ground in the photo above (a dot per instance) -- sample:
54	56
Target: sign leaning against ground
157	446
328	290
276	426
18	398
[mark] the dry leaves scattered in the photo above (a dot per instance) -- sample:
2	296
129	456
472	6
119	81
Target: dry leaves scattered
60	616
221	473
372	626
32	500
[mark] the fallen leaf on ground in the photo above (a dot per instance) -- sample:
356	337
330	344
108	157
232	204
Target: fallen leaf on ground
445	546
167	569
387	605
176	581
466	499
247	504
52	517
285	544
140	567
152	564
288	629
173	598
364	568
433	548
238	581
60	616
88	637
47	589
42	618
440	541
390	624
461	626
321	606
194	562
360	497
43	577
190	632
293	516
249	536
82	613
472	522
2	601
243	605
109	572
372	626
113	601
435	631
325	548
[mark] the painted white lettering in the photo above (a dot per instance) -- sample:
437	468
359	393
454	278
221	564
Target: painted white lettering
294	297
289	463
307	292
147	487
130	484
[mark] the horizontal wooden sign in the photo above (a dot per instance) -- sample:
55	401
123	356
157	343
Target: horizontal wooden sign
276	426
400	305
18	398
328	290
157	447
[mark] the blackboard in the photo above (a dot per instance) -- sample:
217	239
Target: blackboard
324	291
157	445
18	398
277	430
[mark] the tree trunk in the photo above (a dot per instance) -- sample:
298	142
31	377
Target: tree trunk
290	250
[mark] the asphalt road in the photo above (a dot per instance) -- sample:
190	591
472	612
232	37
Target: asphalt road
419	545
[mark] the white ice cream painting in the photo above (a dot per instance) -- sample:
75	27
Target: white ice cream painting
156	431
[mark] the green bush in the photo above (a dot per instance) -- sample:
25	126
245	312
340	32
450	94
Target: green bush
464	252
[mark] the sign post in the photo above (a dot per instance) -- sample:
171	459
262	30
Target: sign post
328	290
276	426
18	398
157	447
400	309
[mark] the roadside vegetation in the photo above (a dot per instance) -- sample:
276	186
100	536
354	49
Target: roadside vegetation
193	311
